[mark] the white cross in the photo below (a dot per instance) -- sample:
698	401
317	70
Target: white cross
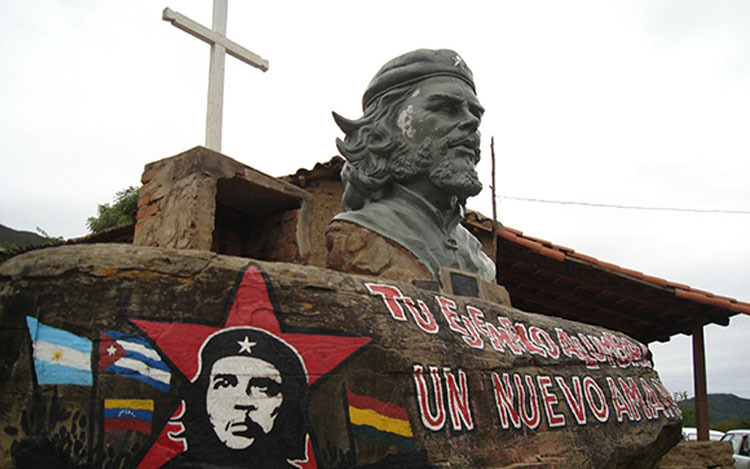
216	36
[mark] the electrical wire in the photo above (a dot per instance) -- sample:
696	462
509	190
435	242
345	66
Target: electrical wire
629	207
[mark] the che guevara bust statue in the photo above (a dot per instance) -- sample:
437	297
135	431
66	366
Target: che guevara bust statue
410	166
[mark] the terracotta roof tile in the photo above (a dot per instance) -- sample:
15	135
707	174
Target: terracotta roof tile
478	220
678	285
699	298
328	170
507	235
708	294
584	257
631	273
538	240
552	253
732	300
740	307
608	266
563	248
655	280
523	241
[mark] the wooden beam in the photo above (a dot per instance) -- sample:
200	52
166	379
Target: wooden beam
618	314
588	276
699	383
514	258
526	299
626	285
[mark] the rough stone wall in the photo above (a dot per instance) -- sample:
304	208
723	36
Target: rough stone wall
282	244
394	376
326	203
699	455
184	197
233	232
175	209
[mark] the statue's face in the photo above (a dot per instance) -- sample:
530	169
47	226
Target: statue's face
243	399
442	118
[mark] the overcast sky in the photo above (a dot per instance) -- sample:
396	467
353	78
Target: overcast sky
642	103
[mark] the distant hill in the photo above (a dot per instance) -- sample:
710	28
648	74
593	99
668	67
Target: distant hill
722	408
11	238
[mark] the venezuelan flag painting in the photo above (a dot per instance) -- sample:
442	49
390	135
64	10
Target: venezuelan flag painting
128	414
379	422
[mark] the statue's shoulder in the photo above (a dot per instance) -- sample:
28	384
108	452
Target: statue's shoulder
471	251
373	212
357	249
466	238
387	217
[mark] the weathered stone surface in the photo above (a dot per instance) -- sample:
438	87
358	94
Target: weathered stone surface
324	184
699	455
397	375
184	201
354	249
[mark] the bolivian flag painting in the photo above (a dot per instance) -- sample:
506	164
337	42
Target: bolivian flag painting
379	422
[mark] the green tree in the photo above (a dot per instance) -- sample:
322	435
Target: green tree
122	210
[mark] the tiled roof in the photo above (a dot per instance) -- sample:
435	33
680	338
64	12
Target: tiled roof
681	290
541	275
331	169
122	233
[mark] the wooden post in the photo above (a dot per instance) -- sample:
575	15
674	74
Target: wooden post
699	381
494	208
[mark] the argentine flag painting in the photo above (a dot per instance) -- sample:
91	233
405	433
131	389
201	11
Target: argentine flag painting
59	356
132	356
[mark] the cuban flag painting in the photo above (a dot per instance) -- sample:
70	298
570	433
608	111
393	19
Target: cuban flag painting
60	357
131	356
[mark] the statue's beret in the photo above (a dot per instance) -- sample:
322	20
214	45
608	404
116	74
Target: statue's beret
415	66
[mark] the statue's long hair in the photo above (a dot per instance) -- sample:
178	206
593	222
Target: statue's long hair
376	153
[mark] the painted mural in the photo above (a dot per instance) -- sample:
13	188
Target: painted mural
522	399
253	389
247	397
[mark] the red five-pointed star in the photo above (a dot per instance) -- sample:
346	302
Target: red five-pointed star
252	306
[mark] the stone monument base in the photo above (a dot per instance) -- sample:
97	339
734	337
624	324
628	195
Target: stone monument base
101	350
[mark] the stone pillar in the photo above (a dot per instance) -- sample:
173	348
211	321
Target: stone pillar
202	199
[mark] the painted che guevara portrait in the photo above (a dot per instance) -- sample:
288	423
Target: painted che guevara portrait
247	405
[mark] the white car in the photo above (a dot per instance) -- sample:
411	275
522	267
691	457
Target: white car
691	434
740	440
